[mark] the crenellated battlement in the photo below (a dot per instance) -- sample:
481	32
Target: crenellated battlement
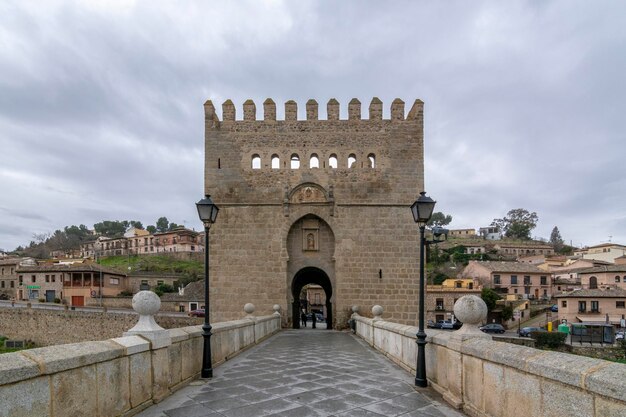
375	111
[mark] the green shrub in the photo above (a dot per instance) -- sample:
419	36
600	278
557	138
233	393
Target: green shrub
57	300
550	340
439	278
507	313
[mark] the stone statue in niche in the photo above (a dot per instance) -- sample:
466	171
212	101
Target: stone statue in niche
310	235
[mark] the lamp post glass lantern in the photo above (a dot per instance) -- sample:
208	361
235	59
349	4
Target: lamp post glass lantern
207	211
422	210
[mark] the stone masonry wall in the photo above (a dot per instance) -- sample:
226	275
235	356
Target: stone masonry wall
120	376
110	302
365	208
55	327
496	379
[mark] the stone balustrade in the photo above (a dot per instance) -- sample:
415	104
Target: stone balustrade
119	376
485	377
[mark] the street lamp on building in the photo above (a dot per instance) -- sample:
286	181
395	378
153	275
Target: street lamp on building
422	210
207	211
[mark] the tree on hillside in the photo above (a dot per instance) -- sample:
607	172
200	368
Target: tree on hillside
566	250
37	248
556	240
58	241
136	224
151	229
490	297
162	224
80	232
439	219
110	228
518	223
39	238
173	226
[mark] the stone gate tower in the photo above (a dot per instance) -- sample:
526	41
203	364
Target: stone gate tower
314	201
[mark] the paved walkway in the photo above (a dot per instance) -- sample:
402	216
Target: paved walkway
300	373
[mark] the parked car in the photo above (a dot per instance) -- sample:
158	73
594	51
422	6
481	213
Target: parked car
525	331
619	336
554	308
434	325
449	325
196	313
492	328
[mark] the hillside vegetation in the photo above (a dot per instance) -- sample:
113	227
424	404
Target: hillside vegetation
154	263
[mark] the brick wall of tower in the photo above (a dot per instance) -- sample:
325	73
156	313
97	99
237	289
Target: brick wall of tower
365	207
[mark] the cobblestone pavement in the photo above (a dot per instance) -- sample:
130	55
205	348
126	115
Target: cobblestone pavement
300	373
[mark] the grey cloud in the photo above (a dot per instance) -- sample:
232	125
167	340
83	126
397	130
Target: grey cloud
22	215
101	107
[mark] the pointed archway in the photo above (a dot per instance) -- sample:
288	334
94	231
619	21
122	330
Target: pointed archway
306	276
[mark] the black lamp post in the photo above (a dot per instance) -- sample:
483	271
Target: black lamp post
207	211
422	209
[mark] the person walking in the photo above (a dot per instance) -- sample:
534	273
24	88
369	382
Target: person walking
303	318
313	320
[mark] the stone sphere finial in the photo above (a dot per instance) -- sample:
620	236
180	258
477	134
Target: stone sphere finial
470	309
377	311
355	308
472	312
146	303
249	308
276	308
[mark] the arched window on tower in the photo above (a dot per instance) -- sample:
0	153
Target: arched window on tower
314	162
275	162
351	160
332	161
372	159
295	161
256	161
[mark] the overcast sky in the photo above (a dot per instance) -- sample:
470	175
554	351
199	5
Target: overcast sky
101	112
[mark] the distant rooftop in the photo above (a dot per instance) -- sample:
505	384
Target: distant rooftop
594	293
605	268
82	267
519	267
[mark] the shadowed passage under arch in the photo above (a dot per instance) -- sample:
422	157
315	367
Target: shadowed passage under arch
311	275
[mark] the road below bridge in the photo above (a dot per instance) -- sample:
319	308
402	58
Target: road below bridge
305	373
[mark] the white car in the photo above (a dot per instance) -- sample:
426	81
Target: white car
619	336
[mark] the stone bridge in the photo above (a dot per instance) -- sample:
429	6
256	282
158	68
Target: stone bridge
262	371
